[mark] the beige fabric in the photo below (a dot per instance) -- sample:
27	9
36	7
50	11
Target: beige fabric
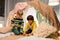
15	37
43	8
11	37
35	38
5	29
44	30
46	10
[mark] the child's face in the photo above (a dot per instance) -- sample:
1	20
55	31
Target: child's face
30	21
20	12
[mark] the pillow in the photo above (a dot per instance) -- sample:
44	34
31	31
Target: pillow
5	29
44	30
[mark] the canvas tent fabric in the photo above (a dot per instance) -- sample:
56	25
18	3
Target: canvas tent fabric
45	10
44	30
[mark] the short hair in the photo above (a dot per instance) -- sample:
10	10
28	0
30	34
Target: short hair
20	12
30	17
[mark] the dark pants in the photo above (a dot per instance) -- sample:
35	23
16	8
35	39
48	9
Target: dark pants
29	31
17	30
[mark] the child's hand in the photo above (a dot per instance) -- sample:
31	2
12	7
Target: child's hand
30	34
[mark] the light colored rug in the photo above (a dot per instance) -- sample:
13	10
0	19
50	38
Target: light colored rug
6	34
34	38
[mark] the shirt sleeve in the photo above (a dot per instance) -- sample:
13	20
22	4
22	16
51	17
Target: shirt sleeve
34	27
26	28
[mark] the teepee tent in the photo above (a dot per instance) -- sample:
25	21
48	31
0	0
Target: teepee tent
39	10
46	11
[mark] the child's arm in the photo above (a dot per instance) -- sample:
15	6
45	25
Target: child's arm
34	27
25	28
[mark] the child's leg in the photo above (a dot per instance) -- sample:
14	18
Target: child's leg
20	30
15	31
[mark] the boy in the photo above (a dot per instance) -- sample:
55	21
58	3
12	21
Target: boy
17	23
30	26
